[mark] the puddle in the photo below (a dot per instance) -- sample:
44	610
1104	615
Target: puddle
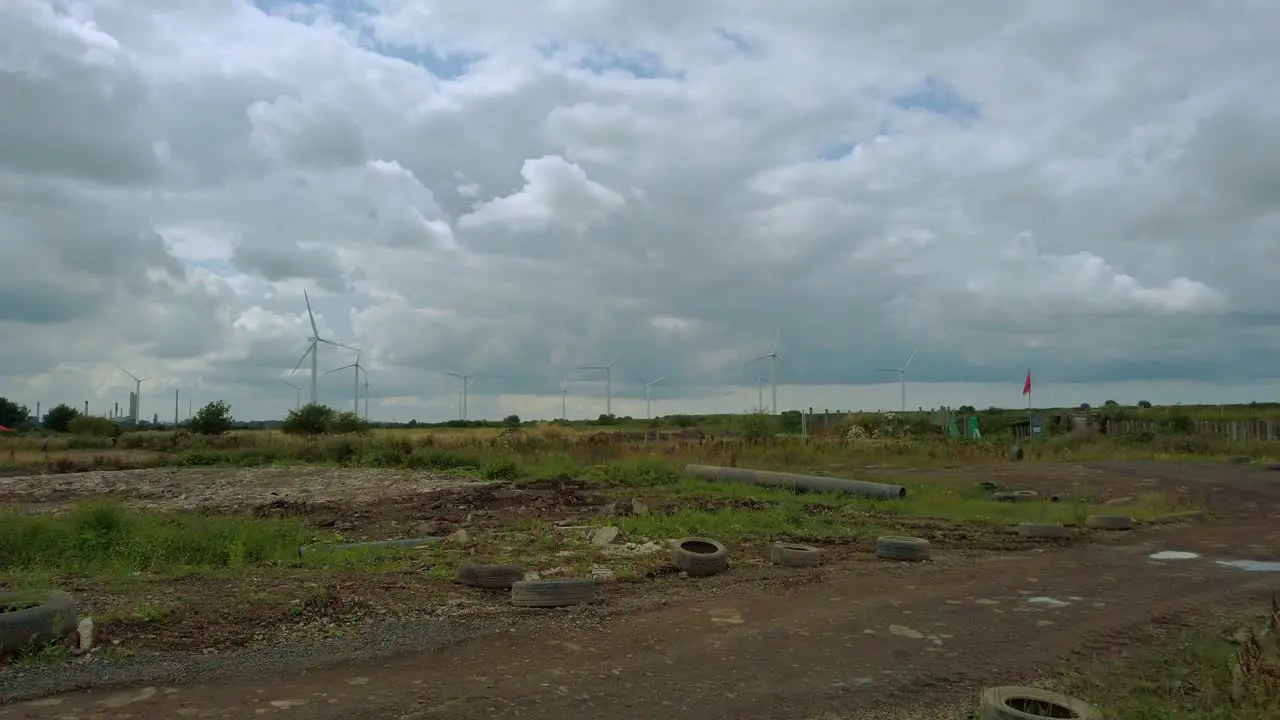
1173	555
1252	565
1051	602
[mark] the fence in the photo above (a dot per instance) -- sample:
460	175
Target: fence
1234	429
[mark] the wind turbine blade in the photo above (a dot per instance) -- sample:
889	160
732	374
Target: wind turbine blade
344	367
310	314
757	359
654	382
126	372
336	344
888	370
301	359
777	338
452	375
144	379
907	364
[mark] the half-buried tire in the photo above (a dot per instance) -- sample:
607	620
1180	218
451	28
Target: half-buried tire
1028	703
1043	531
699	557
896	547
492	577
1109	522
795	555
29	619
553	593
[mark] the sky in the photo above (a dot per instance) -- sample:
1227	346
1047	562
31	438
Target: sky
1088	190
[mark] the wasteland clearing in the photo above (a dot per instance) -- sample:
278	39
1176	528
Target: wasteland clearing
205	584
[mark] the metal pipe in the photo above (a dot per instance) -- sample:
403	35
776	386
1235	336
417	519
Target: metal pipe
798	483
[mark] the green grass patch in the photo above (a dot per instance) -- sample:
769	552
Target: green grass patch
1203	675
98	539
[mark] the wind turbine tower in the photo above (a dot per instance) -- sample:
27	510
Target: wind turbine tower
774	359
356	372
564	398
648	386
137	392
313	348
466	381
608	384
297	394
902	373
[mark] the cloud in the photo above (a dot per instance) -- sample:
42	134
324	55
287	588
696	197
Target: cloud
1088	190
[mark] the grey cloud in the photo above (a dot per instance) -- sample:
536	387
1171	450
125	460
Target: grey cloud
288	261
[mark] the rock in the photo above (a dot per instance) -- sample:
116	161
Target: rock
602	574
639	507
459	537
431	528
604	536
1120	500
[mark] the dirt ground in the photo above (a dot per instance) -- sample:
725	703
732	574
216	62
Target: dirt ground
857	638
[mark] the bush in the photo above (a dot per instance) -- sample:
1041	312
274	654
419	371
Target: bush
59	418
759	426
89	426
310	419
346	422
212	419
12	414
511	421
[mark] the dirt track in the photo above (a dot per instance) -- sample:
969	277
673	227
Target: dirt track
842	642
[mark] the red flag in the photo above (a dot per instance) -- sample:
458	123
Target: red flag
1026	386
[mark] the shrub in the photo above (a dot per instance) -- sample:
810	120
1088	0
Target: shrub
212	419
59	418
310	419
98	427
345	422
511	421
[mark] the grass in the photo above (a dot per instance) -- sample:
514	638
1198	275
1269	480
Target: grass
103	539
548	450
1230	672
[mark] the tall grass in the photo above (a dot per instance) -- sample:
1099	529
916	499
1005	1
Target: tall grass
107	539
548	451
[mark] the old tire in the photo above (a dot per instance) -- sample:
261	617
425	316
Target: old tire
1015	495
1043	531
492	577
1027	703
36	617
896	547
1271	466
552	593
795	555
1109	522
699	557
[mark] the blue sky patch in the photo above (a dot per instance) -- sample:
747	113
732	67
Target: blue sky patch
940	98
640	64
221	268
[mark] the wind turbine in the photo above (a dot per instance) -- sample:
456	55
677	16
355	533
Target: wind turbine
297	394
366	394
466	381
902	372
773	366
608	384
564	398
137	392
358	367
648	385
314	348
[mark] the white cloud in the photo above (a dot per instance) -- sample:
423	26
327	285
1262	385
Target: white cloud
1086	188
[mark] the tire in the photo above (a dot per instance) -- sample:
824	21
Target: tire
895	547
1042	531
552	593
1109	522
1020	703
699	557
39	617
795	555
1271	466
1016	495
492	577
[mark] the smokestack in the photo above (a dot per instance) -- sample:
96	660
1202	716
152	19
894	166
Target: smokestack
86	408
37	411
